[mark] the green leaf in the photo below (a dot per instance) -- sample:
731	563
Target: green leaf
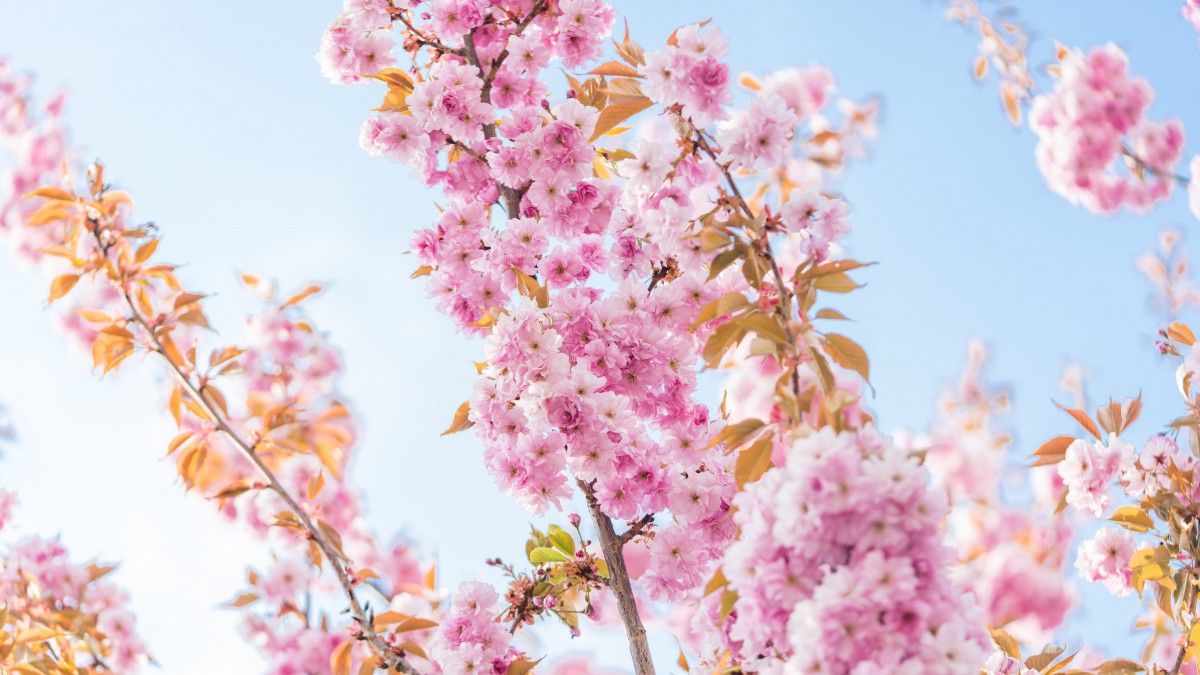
543	554
563	541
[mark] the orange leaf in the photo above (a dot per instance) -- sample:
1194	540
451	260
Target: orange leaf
295	299
848	354
339	660
615	68
461	419
1083	419
613	115
1181	334
62	285
754	461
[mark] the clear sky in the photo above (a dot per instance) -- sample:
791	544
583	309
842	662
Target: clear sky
214	115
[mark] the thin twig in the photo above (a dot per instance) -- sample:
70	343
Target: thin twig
635	530
427	41
383	651
784	308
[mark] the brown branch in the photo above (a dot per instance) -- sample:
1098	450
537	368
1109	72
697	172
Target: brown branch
538	8
784	308
247	450
1144	166
512	197
427	41
393	660
610	545
635	530
1191	605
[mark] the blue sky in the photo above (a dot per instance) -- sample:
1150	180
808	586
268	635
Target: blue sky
215	117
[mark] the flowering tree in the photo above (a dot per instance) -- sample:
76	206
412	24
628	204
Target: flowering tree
609	236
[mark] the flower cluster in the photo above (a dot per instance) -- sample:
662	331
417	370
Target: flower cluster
290	476
1169	270
1094	117
470	639
852	579
1104	558
1012	559
59	616
1191	12
689	74
357	42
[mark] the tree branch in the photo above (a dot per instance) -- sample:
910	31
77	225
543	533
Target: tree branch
610	545
635	530
784	308
386	654
422	39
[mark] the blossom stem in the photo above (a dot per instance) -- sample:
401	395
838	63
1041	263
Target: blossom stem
618	581
422	39
635	530
784	308
1165	175
1191	605
336	559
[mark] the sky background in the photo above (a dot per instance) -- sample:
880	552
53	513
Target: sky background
215	117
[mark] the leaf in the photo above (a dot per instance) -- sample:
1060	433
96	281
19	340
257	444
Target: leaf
562	540
723	260
411	648
261	288
1132	518
1120	667
297	298
1181	333
848	354
615	68
414	623
394	77
835	266
545	554
766	326
1040	661
1052	451
145	251
613	115
522	666
339	660
184	299
729	598
828	313
754	461
1006	643
50	192
723	306
61	286
233	490
1083	419
93	315
732	435
1012	105
718	581
242	600
49	212
461	419
219	356
725	336
838	282
981	66
315	484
